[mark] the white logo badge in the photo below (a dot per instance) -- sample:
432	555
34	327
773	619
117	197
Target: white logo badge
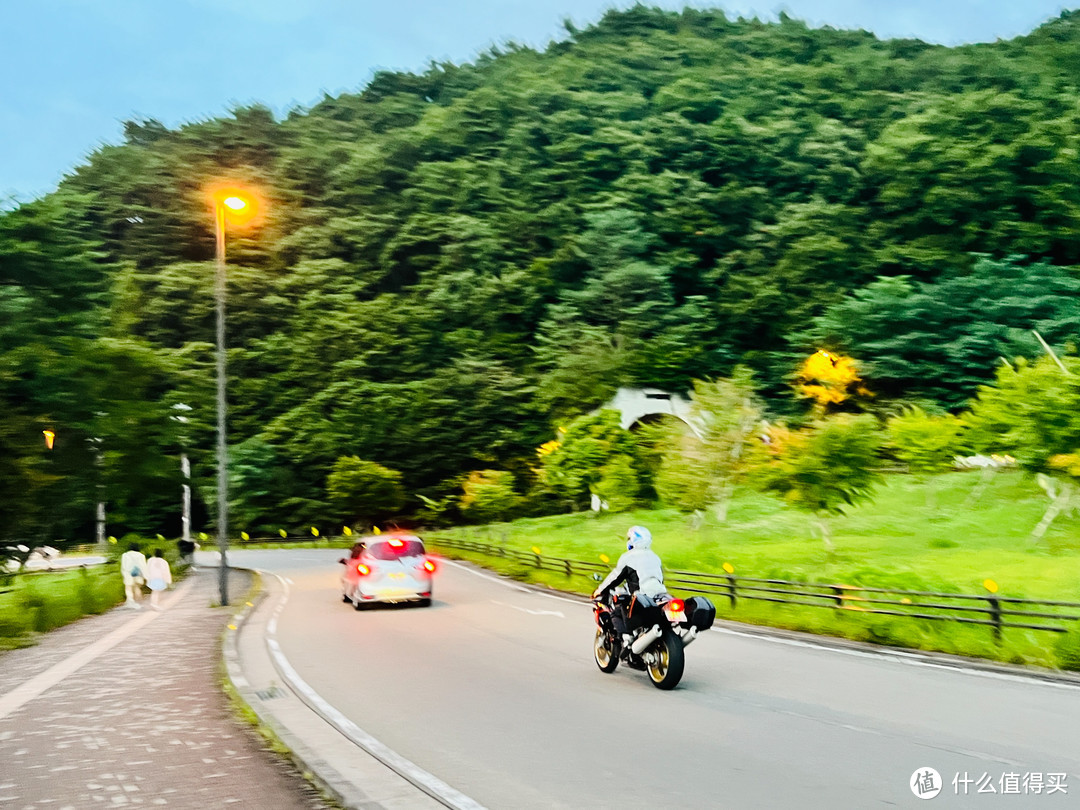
925	783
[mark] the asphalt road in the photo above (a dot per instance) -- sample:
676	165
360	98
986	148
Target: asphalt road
493	690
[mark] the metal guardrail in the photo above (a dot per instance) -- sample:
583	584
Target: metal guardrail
991	610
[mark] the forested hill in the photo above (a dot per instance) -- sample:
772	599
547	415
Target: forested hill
451	262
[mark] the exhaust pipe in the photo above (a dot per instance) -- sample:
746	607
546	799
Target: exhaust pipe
691	634
646	639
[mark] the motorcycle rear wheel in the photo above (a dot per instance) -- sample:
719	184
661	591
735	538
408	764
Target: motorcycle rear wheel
666	660
606	651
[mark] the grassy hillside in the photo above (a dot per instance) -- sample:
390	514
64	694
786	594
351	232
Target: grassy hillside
896	541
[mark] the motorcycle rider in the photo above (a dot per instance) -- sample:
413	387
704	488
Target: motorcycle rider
639	568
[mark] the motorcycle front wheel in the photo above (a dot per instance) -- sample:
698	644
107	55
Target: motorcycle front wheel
606	651
665	660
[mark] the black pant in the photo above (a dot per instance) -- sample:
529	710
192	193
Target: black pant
618	614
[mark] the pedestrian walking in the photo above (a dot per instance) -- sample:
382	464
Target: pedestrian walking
187	552
158	576
133	570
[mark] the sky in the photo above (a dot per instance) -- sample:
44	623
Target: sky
75	70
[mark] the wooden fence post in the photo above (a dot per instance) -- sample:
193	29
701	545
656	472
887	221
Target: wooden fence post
995	616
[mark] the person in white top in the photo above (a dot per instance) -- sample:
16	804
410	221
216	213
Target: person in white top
158	576
133	569
639	568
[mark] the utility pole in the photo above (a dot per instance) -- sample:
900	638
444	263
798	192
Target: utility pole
96	443
185	469
185	518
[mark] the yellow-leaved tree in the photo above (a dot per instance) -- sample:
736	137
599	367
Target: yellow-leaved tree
829	379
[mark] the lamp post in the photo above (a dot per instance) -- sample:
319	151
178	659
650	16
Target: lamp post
223	202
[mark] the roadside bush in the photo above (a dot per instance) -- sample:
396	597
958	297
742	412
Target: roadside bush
619	485
363	490
13	626
489	497
576	463
1067	651
39	602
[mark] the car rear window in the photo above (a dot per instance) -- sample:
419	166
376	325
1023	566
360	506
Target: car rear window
385	551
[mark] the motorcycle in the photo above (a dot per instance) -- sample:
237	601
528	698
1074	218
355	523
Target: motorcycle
659	629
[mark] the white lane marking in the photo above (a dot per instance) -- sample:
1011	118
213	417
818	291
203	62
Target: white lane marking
427	782
530	612
910	659
42	682
511	585
487	576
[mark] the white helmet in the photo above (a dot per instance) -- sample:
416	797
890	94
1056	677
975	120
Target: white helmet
638	537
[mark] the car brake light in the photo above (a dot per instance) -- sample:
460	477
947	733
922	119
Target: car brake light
395	542
429	566
362	569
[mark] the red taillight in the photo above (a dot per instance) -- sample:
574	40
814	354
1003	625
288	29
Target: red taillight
676	606
429	566
362	569
395	542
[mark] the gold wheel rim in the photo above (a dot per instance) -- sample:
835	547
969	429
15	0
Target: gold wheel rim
603	654
660	668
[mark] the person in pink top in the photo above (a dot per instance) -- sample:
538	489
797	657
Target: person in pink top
158	576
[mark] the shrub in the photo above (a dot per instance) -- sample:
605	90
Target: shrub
575	465
1067	650
619	484
363	489
489	496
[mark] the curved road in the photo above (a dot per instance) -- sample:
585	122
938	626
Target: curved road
493	690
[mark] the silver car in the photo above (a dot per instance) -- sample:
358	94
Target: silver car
387	568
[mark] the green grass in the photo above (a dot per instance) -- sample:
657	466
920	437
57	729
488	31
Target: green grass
36	602
897	541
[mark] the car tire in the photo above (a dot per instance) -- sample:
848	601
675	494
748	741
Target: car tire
426	602
345	598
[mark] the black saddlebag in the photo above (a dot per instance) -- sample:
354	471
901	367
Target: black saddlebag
700	613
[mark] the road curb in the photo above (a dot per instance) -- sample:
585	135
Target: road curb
313	767
394	780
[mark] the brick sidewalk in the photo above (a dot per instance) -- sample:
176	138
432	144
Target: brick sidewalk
143	723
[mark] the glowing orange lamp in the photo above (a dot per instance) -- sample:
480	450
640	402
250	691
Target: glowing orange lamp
232	205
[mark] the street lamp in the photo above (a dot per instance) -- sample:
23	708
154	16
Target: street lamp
237	205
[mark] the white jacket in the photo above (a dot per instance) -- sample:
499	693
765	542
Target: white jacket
132	561
640	568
